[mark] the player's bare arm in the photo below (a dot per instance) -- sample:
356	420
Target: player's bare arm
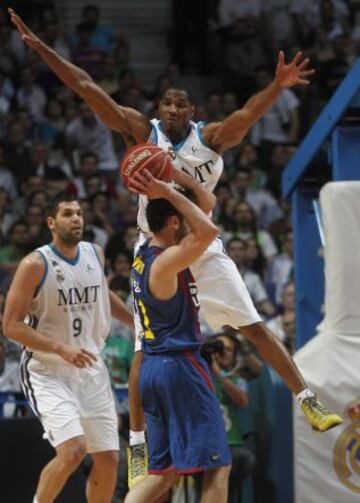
203	198
131	123
228	133
118	308
164	270
27	279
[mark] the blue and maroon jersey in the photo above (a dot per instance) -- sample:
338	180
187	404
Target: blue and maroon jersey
166	325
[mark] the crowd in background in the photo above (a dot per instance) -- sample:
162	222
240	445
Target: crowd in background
51	142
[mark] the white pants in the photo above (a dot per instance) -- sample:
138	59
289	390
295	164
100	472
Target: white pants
71	402
224	298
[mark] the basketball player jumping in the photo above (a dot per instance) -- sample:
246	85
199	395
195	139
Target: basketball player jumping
197	150
59	308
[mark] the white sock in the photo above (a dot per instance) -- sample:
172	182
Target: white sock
305	393
35	499
136	437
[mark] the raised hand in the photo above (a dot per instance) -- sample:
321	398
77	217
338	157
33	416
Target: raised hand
144	183
27	35
296	72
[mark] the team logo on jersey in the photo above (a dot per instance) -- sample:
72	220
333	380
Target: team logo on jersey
172	153
194	149
59	275
347	450
89	267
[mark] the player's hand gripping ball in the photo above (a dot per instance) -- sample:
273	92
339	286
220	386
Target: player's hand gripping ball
144	156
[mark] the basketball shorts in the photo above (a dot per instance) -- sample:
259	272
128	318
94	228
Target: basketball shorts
71	402
224	298
186	430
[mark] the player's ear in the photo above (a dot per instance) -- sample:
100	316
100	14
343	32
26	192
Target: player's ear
51	223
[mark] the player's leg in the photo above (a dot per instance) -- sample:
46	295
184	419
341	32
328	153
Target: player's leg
137	450
274	354
230	304
150	489
69	455
215	485
102	479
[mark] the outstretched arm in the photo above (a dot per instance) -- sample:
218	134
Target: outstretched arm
227	134
124	120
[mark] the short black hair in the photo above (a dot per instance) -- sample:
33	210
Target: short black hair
159	210
157	213
181	90
53	206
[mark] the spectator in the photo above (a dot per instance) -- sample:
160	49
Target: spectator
9	376
100	236
237	252
263	203
7	181
17	153
281	123
283	327
88	134
244	227
17	247
85	54
30	95
232	392
6	216
102	37
38	230
281	269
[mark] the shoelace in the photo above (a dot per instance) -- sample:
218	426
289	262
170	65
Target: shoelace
137	460
312	403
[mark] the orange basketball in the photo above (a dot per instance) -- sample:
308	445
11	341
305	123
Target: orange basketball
153	158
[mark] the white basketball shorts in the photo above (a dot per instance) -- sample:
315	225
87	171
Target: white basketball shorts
224	298
71	402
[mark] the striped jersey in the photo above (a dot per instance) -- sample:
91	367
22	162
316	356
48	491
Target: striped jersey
165	325
191	155
72	303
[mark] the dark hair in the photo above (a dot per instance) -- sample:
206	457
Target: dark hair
88	154
188	96
234	240
157	213
159	210
16	224
119	283
53	206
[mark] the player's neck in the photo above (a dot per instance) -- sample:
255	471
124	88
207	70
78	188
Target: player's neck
69	252
161	242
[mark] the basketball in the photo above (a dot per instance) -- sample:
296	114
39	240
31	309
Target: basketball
142	156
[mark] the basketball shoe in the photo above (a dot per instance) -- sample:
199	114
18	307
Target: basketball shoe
320	418
137	456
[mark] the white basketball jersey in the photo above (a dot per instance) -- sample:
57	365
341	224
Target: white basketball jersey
72	303
191	155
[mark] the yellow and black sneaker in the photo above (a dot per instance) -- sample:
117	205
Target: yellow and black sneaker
137	456
320	418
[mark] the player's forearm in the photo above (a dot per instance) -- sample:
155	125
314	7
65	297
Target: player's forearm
73	76
203	198
27	336
199	223
257	106
120	311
